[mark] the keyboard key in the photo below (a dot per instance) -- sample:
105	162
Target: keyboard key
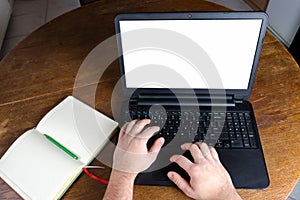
232	135
238	136
252	141
250	129
226	143
246	143
224	136
236	143
218	145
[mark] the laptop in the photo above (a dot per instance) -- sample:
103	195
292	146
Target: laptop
192	73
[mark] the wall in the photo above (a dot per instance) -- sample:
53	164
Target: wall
5	12
284	19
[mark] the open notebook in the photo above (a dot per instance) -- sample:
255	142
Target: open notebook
36	168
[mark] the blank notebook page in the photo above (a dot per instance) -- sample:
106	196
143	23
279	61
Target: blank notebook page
38	166
78	127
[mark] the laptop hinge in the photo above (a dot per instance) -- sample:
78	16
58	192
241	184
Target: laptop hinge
182	96
185	100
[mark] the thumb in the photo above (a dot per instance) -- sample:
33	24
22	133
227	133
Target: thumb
157	145
181	183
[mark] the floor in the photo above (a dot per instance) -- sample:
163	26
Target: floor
27	16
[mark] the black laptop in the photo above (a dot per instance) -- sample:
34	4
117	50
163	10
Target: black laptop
191	74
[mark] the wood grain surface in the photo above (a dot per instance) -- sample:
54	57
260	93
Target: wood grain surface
43	69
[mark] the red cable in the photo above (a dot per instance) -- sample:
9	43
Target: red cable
95	177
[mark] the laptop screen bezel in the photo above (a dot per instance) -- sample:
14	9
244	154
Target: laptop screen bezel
236	93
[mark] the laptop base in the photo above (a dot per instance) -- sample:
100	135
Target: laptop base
246	168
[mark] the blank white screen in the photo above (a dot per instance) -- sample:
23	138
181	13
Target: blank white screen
230	44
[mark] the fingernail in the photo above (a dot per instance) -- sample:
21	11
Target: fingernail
162	140
170	175
182	146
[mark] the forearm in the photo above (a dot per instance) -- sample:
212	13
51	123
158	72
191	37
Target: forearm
120	186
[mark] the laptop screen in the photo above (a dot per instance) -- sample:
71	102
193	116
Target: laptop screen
189	53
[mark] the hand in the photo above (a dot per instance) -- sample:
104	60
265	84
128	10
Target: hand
131	154
209	179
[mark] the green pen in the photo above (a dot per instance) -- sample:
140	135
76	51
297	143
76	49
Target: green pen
61	147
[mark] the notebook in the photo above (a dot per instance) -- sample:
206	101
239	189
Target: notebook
192	73
36	167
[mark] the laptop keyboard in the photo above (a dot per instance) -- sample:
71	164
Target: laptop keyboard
218	129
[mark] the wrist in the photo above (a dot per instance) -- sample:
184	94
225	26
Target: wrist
116	174
120	185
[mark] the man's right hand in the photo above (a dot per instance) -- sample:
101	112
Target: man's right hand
208	177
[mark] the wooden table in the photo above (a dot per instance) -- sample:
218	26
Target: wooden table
41	71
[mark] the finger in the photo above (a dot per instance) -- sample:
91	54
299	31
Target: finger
181	183
204	149
214	154
148	132
185	145
182	161
139	126
195	151
130	126
122	130
157	145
